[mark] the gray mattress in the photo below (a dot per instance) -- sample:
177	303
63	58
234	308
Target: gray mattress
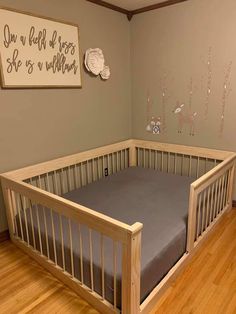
158	200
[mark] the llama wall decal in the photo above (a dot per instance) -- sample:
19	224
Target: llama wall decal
185	118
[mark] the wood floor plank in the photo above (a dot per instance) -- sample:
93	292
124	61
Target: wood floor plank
25	287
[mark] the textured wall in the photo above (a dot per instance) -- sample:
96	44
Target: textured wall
38	125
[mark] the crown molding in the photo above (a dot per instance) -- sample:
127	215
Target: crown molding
131	13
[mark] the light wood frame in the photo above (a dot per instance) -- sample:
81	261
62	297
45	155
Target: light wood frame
210	197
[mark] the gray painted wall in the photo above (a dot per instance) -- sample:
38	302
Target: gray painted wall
39	125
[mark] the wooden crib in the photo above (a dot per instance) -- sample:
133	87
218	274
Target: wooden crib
42	185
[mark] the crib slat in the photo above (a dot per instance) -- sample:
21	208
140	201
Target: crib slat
190	166
122	159
155	164
144	158
208	208
113	163
56	183
138	156
117	161
87	173
115	272
108	163
48	183
93	171
14	208
32	224
197	167
81	255
71	250
23	206
102	265
182	164
91	259
215	199
218	197
150	159
222	193
82	174
62	243
168	162
205	165
199	215
203	211
39	229
226	188
175	164
212	201
46	232
19	215
162	161
53	236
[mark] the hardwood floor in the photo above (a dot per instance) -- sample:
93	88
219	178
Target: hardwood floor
25	287
207	285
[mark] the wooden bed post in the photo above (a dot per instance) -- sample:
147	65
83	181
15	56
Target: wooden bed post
192	217
9	210
231	184
131	271
132	156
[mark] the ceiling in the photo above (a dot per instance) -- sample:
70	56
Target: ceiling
133	4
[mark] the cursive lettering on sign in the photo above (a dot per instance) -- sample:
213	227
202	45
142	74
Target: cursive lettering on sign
23	40
13	63
8	36
40	66
53	41
30	66
66	46
39	40
59	64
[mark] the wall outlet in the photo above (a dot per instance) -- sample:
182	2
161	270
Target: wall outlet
106	172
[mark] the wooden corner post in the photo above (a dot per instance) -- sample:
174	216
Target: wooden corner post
192	219
131	271
132	156
9	210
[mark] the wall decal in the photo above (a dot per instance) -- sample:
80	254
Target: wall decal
209	83
38	52
226	91
185	118
190	88
154	126
95	63
163	102
148	110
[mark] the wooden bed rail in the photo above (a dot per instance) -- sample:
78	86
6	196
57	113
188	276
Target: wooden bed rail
21	197
210	196
67	161
185	150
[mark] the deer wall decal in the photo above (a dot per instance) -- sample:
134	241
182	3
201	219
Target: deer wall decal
185	118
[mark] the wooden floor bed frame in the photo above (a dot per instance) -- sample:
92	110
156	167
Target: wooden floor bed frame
210	196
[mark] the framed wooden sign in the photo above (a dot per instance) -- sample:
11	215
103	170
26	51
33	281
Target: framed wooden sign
38	52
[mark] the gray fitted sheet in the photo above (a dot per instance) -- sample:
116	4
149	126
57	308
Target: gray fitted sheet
156	199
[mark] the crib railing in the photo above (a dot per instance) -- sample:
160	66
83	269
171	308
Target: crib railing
65	179
210	197
37	217
38	221
172	160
